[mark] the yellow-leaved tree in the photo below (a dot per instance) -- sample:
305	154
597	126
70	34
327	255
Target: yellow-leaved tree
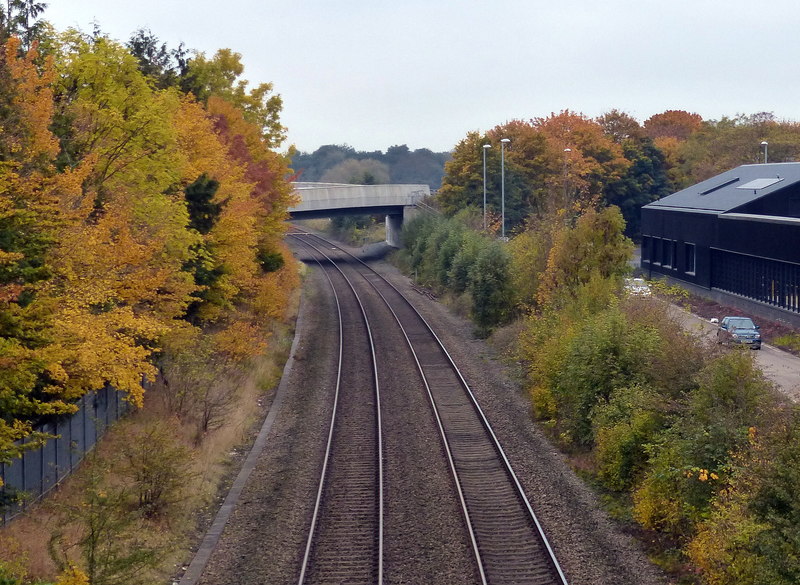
120	264
31	374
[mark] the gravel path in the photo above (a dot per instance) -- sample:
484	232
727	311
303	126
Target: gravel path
264	539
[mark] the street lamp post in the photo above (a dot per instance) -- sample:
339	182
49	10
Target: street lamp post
765	144
503	143
485	148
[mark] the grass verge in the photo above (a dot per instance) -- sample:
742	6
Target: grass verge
51	531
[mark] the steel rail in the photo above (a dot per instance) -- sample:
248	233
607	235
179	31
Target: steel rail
446	444
328	448
495	441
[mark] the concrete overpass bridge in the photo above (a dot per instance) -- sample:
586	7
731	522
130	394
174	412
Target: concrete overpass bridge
396	202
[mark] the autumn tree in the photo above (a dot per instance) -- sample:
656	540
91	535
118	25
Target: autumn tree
463	181
32	374
620	126
121	255
525	173
220	76
646	178
596	245
583	159
529	250
123	203
669	131
261	193
550	164
528	161
729	142
678	124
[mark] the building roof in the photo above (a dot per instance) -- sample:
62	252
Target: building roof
732	189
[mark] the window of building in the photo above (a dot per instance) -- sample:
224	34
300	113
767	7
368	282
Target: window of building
646	248
668	253
690	257
656	252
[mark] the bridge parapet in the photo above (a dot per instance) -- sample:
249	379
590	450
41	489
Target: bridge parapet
337	196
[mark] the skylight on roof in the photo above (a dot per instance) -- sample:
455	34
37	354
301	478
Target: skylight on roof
756	184
720	186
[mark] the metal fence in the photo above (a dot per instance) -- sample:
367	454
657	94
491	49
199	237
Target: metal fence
40	470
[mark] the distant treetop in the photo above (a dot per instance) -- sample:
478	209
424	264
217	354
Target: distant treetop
401	163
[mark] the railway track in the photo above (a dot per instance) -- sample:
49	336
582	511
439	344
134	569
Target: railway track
345	538
508	542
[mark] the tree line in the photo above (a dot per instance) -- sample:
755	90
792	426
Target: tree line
568	157
142	208
343	164
689	440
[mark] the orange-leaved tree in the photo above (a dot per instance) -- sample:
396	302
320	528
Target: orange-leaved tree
583	158
120	277
30	188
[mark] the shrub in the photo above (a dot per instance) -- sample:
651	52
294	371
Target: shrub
692	460
464	259
623	428
751	536
490	286
606	353
115	543
595	245
158	466
428	267
661	501
446	253
415	238
72	576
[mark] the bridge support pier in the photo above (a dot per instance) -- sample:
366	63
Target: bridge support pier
394	225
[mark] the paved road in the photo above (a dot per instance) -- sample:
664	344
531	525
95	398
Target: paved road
779	366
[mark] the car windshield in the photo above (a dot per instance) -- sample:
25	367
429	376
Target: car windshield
741	323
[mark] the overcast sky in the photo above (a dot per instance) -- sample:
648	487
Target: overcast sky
376	73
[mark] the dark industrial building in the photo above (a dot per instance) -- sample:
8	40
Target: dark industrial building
738	233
